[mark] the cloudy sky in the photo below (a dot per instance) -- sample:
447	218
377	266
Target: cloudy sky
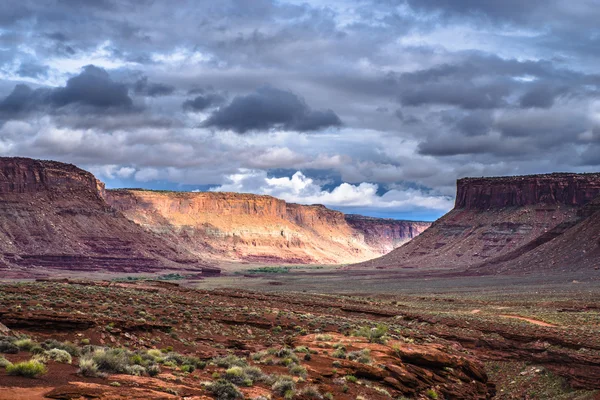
369	106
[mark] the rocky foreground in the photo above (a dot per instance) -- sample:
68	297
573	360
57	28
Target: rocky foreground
157	340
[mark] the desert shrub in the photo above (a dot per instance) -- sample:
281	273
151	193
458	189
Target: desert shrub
351	378
156	354
311	392
7	347
283	385
230	361
25	344
135	369
4	362
301	349
153	370
362	356
236	375
254	373
224	390
69	347
374	335
107	360
88	367
110	360
323	338
432	394
57	355
339	353
298	370
30	369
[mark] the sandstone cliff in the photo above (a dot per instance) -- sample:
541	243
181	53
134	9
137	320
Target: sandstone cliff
384	235
573	246
246	227
52	215
495	218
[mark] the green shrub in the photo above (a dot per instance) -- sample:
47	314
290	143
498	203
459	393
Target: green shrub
25	344
311	392
7	347
254	373
432	394
235	374
69	347
339	353
30	369
57	355
283	385
4	362
362	356
224	390
298	370
88	367
374	335
135	369
153	370
230	361
351	378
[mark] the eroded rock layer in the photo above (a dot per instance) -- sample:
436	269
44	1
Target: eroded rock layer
234	226
499	219
52	215
575	247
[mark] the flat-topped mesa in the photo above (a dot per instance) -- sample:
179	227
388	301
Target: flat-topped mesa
519	191
498	219
25	175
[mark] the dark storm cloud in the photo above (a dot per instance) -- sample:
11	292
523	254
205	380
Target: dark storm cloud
269	108
145	88
541	96
32	70
480	81
512	10
93	88
475	124
203	101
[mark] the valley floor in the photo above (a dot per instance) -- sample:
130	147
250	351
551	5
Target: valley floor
374	334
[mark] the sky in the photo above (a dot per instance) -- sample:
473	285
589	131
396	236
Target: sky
367	106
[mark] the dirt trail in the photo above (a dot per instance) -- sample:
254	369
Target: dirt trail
530	320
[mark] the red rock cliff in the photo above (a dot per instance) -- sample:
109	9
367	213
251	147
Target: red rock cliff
237	226
52	216
519	191
386	234
495	218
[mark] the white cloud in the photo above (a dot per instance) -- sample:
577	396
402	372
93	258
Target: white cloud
301	189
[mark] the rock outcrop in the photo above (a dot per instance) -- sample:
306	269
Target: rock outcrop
254	228
52	215
498	219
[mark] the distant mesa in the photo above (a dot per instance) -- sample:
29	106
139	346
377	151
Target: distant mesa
511	224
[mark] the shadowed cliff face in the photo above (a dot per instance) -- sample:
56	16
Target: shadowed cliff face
385	235
553	189
498	219
52	216
236	226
